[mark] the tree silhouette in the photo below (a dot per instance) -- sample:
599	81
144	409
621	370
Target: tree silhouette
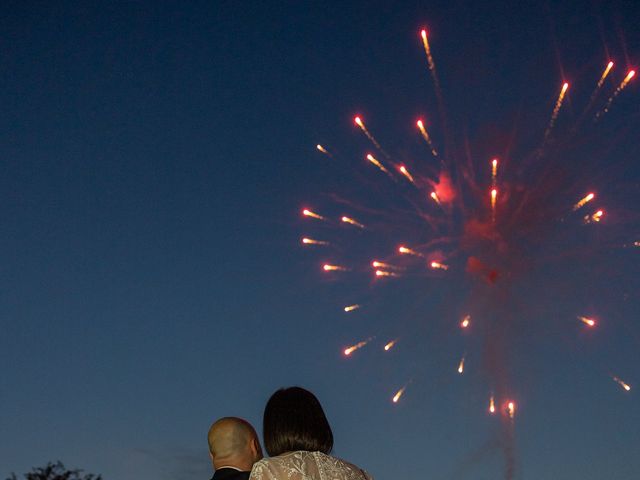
56	471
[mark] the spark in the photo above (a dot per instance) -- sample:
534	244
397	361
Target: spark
511	409
385	273
349	350
351	308
387	266
434	195
323	150
377	163
364	129
427	138
461	366
334	268
440	266
432	65
309	213
406	173
398	394
636	243
584	201
596	217
408	251
587	321
494	196
466	321
389	345
494	170
556	109
351	221
492	405
596	90
311	241
624	385
604	74
623	84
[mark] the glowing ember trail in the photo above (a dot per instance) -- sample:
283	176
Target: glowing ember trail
398	394
351	308
351	221
309	213
387	266
466	321
377	163
334	268
494	196
587	321
492	405
626	386
440	266
596	217
323	150
389	345
408	251
434	195
461	366
371	138
349	350
432	65
511	410
426	137
385	273
494	171
604	74
406	173
624	83
311	241
584	201
556	109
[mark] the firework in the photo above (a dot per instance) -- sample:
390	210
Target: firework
584	201
511	409
466	321
351	308
439	266
406	173
358	121
461	366
624	385
309	213
377	163
427	138
386	266
334	268
389	345
494	196
604	74
431	63
556	109
351	221
385	273
349	350
494	171
435	198
492	405
311	241
407	251
595	217
587	321
398	394
623	84
321	149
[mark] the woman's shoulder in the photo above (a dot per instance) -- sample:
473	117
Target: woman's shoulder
339	466
304	462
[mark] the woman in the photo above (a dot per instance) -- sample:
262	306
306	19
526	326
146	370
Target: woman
298	438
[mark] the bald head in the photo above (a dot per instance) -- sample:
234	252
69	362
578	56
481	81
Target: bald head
233	443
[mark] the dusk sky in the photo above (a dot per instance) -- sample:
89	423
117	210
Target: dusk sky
156	157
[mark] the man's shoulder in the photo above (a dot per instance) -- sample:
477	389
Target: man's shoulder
230	474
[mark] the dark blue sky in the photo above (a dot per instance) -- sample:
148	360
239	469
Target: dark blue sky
155	159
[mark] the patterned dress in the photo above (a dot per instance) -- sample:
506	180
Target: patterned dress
302	465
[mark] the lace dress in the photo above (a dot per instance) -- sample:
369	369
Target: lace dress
306	466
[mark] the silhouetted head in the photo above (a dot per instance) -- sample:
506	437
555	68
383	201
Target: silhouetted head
233	443
294	420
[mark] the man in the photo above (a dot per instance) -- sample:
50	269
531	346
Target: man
233	448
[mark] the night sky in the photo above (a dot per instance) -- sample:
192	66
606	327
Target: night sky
155	160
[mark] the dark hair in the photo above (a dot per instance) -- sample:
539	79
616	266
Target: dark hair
294	420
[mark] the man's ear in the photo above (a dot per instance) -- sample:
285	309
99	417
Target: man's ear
256	449
211	455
